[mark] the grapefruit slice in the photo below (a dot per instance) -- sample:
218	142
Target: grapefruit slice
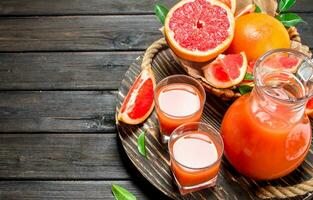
227	70
199	30
139	103
309	108
231	4
283	62
246	10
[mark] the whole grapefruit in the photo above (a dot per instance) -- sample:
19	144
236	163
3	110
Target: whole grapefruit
257	33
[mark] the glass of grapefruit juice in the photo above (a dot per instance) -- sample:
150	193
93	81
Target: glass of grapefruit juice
196	151
178	99
267	133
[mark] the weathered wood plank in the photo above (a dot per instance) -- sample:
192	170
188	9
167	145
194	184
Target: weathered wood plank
61	156
78	33
61	190
91	33
60	71
57	111
92	7
79	7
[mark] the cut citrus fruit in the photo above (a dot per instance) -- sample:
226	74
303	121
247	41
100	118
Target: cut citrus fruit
199	30
226	70
257	33
246	10
139	103
230	4
283	62
309	108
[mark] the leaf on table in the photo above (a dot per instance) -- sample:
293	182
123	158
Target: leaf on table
244	89
121	193
241	4
289	19
284	5
267	6
161	12
141	144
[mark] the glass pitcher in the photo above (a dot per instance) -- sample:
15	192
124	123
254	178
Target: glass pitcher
267	133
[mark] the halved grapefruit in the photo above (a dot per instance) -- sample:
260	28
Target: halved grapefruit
199	30
139	103
309	108
230	4
226	70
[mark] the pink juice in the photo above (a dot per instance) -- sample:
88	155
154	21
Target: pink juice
195	158
176	104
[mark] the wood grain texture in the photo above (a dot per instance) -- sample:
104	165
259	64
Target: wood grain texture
81	7
78	33
92	7
155	168
65	190
91	33
61	156
60	71
57	111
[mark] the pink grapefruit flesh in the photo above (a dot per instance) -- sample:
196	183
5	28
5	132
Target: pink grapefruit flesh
138	103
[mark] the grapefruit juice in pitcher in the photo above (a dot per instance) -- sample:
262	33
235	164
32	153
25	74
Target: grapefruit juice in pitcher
266	133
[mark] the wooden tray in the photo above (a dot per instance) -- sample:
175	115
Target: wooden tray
155	168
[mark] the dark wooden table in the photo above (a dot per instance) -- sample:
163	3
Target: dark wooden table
61	64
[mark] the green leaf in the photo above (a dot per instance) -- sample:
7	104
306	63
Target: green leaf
244	89
141	144
284	5
249	77
121	193
160	12
289	19
257	9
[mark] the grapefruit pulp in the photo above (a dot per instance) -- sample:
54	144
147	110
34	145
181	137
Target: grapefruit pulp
199	30
227	70
138	103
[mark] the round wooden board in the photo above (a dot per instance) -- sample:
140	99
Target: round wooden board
155	167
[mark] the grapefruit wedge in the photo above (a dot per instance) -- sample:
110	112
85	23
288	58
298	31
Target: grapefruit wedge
231	4
226	70
282	62
246	10
199	30
138	103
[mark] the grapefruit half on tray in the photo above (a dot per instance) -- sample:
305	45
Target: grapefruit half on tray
199	30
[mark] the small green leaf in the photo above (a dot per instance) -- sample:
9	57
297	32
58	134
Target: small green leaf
160	12
141	144
284	5
257	9
121	193
289	19
249	77
244	89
